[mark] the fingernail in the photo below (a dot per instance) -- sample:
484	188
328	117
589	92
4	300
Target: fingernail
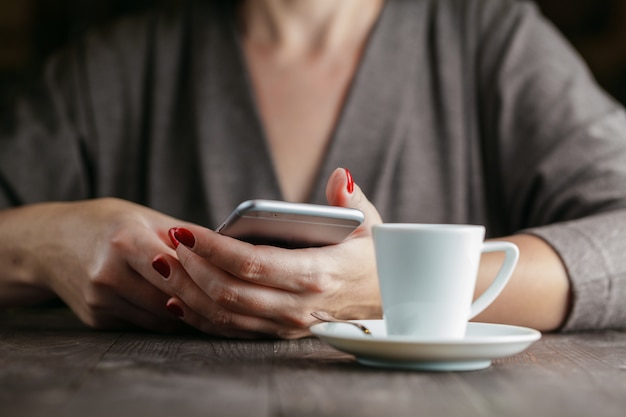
185	237
174	309
350	185
161	266
170	233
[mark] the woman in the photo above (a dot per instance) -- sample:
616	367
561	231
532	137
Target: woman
149	132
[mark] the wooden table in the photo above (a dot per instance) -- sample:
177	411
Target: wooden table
51	365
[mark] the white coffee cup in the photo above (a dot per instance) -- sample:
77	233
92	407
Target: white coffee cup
427	276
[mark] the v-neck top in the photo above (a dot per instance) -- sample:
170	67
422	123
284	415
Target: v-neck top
461	111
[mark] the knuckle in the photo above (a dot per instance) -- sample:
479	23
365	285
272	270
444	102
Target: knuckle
226	296
319	283
102	276
222	318
298	321
94	300
295	318
252	267
121	240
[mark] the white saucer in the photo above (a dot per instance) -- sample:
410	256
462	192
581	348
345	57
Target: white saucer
483	342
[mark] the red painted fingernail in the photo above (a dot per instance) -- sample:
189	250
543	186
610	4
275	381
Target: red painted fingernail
170	233
174	309
350	185
185	237
161	266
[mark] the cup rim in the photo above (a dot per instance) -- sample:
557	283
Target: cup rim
428	226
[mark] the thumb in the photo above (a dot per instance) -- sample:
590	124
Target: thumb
343	192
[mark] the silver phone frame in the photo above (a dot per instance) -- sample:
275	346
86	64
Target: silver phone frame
290	225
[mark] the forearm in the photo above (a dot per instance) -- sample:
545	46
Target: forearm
22	273
538	293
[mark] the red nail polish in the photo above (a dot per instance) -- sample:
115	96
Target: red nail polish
174	309
185	237
161	266
350	185
170	233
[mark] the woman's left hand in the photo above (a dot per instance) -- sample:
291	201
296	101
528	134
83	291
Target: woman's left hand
227	287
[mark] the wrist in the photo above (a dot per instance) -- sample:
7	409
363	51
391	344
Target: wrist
24	278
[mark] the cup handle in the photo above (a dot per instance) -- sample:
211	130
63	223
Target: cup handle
511	253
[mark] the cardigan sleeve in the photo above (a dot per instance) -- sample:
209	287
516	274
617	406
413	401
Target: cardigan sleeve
42	155
558	145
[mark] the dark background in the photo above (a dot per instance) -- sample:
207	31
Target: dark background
31	29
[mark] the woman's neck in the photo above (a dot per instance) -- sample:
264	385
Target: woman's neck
306	26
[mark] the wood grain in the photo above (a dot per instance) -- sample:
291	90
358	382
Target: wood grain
52	365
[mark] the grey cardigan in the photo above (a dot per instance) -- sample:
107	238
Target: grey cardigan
462	111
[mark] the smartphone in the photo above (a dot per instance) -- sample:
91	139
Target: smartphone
290	225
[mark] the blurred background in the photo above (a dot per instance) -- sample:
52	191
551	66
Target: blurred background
31	29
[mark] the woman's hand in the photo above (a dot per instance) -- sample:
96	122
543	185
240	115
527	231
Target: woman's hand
95	255
226	287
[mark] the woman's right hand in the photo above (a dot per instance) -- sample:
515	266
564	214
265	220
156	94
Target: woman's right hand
95	255
230	288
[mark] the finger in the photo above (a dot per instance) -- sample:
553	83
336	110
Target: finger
110	311
148	320
219	322
140	284
342	191
178	282
208	289
143	295
146	253
293	270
